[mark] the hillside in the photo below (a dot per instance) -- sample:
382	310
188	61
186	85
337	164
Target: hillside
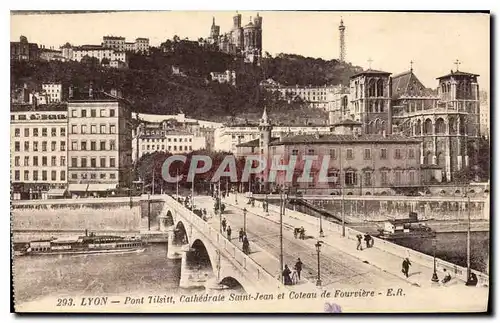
151	86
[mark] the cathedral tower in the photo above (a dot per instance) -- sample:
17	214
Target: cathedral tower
342	41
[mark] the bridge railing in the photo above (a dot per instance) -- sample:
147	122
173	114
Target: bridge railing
221	243
473	199
389	247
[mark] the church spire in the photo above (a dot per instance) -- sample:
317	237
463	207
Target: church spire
264	120
213	21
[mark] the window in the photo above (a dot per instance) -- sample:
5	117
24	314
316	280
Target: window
53	161
83	175
180	148
383	153
73	113
93	113
310	151
83	145
103	162
17	175
17	160
175	148
62	161
295	152
63	132
397	178
84	113
412	177
112	145
26	132
74	129
368	154
44	160
17	146
93	176
84	128
74	162
17	132
35	146
411	153
63	175
112	112
74	176
397	153
26	175
93	162
44	146
350	153
83	162
63	145
53	175
103	128
112	162
35	175
53	146
333	153
112	176
53	132
102	176
112	128
26	161
26	146
350	178
93	128
175	139
383	178
35	132
93	145
102	113
368	179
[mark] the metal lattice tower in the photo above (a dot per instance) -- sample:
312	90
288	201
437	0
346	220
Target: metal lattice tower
342	40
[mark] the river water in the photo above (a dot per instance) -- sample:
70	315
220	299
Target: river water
149	272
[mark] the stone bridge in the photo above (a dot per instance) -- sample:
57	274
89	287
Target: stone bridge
208	259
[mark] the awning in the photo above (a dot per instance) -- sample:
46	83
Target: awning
78	187
56	192
100	187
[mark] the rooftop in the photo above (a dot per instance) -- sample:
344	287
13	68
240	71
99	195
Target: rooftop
26	107
335	138
371	72
407	84
348	122
458	73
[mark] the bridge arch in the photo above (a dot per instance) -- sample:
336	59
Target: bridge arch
169	219
200	255
232	283
180	234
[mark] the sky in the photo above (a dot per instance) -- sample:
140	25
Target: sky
433	41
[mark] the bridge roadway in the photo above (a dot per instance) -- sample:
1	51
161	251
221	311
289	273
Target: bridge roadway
398	198
338	268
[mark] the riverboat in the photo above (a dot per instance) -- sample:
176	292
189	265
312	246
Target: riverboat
406	229
88	244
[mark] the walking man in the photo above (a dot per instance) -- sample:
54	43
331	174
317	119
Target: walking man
286	276
246	245
298	267
228	232
241	235
406	266
224	224
359	246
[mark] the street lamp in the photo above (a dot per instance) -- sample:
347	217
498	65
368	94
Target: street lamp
434	274
318	250
245	220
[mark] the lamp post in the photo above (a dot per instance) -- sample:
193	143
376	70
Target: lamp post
245	220
318	250
281	231
468	235
434	274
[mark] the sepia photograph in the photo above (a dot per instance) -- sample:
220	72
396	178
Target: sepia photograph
250	162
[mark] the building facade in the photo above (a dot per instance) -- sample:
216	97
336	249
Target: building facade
53	92
38	149
228	77
141	45
100	142
24	50
244	40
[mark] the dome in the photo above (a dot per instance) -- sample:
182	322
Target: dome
23	39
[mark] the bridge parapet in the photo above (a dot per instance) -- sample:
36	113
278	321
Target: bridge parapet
258	274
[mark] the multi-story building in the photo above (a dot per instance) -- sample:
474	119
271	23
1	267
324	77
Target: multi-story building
244	40
359	164
23	50
53	91
98	52
114	42
227	138
38	150
224	77
100	142
119	44
141	45
484	114
51	54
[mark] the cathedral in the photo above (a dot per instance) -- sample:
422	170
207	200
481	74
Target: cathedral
240	40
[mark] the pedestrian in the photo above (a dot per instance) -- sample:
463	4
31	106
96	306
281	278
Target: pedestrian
367	240
302	233
359	246
472	281
246	245
224	223
298	267
447	277
241	235
228	232
286	276
205	212
406	266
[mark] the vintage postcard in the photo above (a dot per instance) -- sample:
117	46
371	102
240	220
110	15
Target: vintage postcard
257	162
